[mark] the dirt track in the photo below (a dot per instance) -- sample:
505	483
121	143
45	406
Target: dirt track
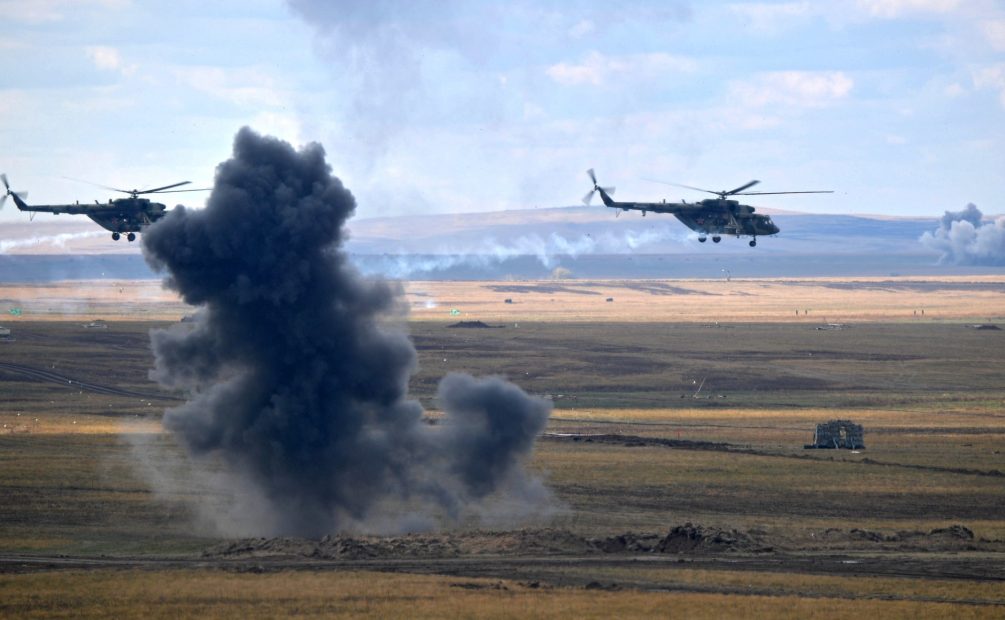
610	571
52	377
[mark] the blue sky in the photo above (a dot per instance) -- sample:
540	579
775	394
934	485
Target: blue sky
432	107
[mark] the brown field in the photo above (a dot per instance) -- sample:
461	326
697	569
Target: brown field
817	300
911	526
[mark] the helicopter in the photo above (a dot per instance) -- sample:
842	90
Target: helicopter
122	216
710	217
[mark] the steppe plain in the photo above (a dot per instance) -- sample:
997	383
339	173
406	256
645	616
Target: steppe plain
675	453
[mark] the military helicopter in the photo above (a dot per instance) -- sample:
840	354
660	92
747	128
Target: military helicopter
712	216
121	216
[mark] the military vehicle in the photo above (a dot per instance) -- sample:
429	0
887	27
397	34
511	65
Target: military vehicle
122	216
710	217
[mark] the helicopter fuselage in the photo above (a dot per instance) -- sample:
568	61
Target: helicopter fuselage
123	215
713	216
127	215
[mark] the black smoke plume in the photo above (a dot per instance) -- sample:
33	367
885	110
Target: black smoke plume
298	405
964	239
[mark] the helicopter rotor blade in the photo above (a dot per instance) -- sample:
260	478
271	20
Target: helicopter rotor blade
608	190
6	185
740	189
699	189
160	189
176	191
813	191
114	189
593	177
589	197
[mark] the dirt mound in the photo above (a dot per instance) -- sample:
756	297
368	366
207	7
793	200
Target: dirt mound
685	538
627	543
957	531
340	547
473	325
953	537
636	441
689	538
346	547
263	547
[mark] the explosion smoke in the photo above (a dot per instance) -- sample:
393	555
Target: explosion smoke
964	240
296	386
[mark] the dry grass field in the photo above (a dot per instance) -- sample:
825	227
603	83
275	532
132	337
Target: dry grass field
817	300
671	407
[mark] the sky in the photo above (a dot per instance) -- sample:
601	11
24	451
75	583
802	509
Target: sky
466	106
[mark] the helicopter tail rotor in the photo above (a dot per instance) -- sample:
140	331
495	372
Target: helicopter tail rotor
604	190
9	192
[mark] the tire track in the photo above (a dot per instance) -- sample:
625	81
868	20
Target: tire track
52	377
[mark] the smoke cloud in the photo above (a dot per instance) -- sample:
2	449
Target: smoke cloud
57	241
298	414
545	249
964	239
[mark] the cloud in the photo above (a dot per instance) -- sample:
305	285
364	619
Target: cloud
896	8
582	28
771	18
598	69
994	32
381	53
954	90
109	59
250	87
283	126
991	78
794	88
42	11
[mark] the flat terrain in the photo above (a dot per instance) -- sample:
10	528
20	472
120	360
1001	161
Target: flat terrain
675	453
786	300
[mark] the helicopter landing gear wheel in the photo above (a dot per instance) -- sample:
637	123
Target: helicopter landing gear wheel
701	239
716	239
753	242
116	236
131	236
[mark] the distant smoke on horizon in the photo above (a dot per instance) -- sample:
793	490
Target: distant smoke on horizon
298	418
964	239
59	240
546	250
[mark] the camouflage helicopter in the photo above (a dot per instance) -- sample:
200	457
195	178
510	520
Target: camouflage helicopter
121	216
712	216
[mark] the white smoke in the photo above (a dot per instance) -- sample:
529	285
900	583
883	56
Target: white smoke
546	250
55	241
964	239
